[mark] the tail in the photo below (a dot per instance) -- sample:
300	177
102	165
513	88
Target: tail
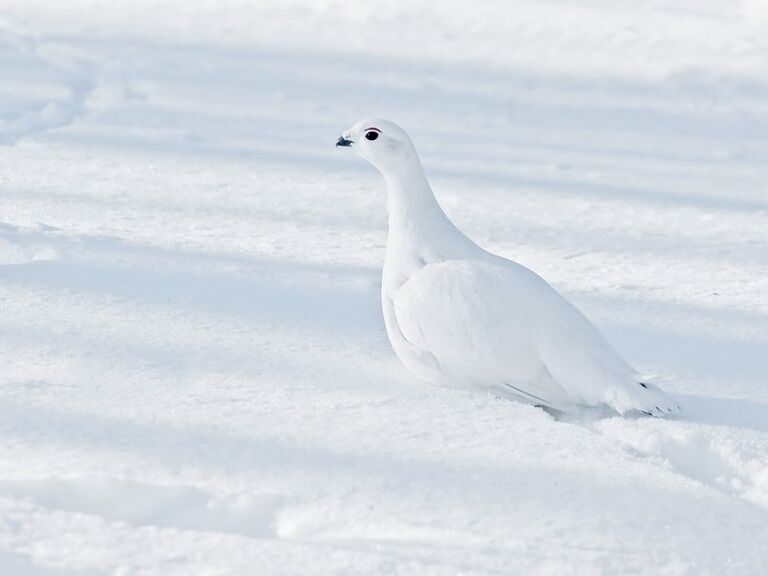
654	402
645	398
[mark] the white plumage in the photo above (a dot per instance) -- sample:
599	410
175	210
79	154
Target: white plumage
459	316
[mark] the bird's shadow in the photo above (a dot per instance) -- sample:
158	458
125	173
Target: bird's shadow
695	409
733	412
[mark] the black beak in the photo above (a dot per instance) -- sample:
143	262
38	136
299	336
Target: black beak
343	141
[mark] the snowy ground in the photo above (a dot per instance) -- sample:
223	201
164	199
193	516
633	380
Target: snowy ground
195	377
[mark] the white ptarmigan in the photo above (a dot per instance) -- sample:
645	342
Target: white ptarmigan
459	316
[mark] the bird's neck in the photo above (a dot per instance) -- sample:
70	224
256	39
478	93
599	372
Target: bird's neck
417	223
410	199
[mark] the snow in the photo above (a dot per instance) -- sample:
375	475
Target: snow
196	378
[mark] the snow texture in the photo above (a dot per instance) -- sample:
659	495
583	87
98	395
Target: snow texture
196	378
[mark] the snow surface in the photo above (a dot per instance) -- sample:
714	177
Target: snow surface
196	378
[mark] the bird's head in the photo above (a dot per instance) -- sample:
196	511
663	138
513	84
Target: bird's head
383	143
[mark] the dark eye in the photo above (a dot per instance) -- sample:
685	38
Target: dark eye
371	135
